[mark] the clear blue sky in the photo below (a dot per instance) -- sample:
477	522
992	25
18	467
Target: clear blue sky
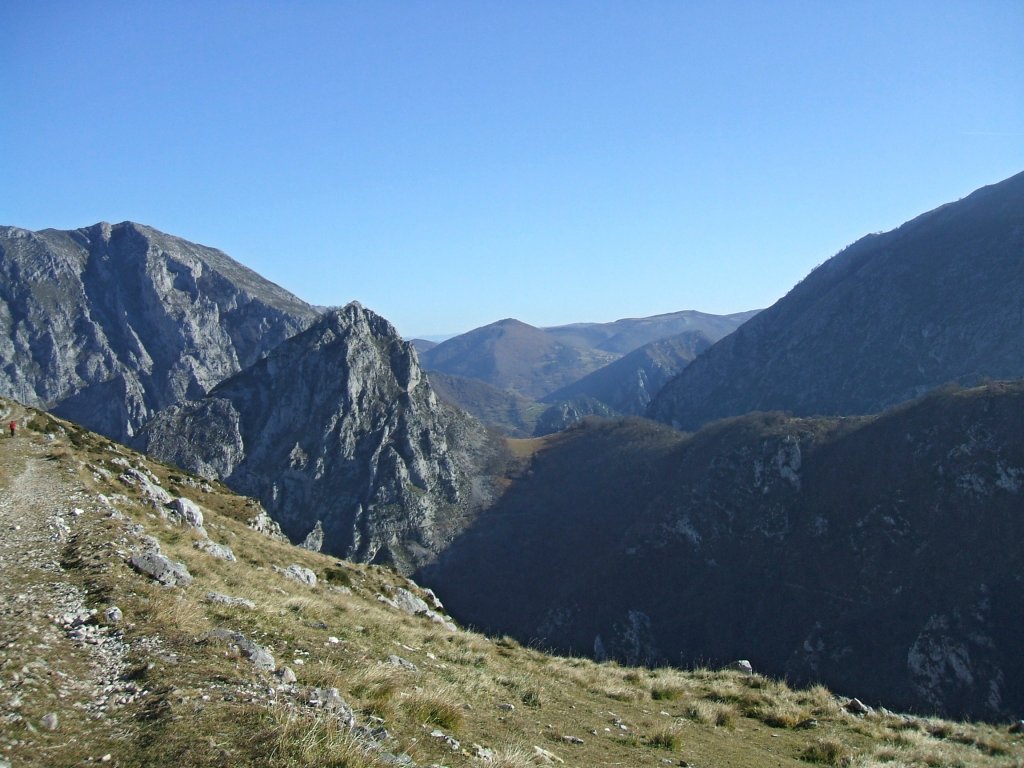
453	163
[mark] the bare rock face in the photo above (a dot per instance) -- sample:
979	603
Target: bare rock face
337	427
108	324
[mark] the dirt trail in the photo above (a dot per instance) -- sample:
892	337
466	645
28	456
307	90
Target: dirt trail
59	669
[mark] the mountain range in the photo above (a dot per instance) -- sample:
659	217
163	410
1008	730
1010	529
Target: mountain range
502	372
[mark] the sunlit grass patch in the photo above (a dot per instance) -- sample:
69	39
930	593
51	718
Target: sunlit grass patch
435	707
827	751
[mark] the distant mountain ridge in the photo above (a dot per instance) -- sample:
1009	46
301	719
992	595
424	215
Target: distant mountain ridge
108	324
629	384
939	299
514	356
570	365
631	333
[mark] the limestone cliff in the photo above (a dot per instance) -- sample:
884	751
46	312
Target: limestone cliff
339	426
106	325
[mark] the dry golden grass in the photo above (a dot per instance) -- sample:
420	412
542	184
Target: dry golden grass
827	751
289	738
438	707
512	756
713	713
666	737
666	692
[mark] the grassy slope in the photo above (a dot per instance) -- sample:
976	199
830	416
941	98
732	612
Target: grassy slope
201	704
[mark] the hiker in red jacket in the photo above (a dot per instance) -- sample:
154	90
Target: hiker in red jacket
12	426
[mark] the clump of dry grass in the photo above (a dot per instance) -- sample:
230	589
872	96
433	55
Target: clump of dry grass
931	745
827	751
620	694
378	683
177	614
782	713
307	608
666	737
288	738
321	674
512	756
435	707
666	692
525	687
820	700
713	713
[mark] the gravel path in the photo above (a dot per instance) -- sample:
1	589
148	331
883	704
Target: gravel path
60	669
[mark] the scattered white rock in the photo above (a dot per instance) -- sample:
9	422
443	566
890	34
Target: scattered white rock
162	569
113	615
330	700
398	661
544	756
212	548
50	721
314	540
147	486
858	707
217	597
297	572
742	665
403	600
452	743
257	654
483	753
263	523
187	511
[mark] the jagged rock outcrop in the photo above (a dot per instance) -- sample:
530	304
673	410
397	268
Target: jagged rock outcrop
338	427
108	324
564	414
940	299
879	555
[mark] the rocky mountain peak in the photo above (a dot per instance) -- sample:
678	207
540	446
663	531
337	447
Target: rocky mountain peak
110	323
337	427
